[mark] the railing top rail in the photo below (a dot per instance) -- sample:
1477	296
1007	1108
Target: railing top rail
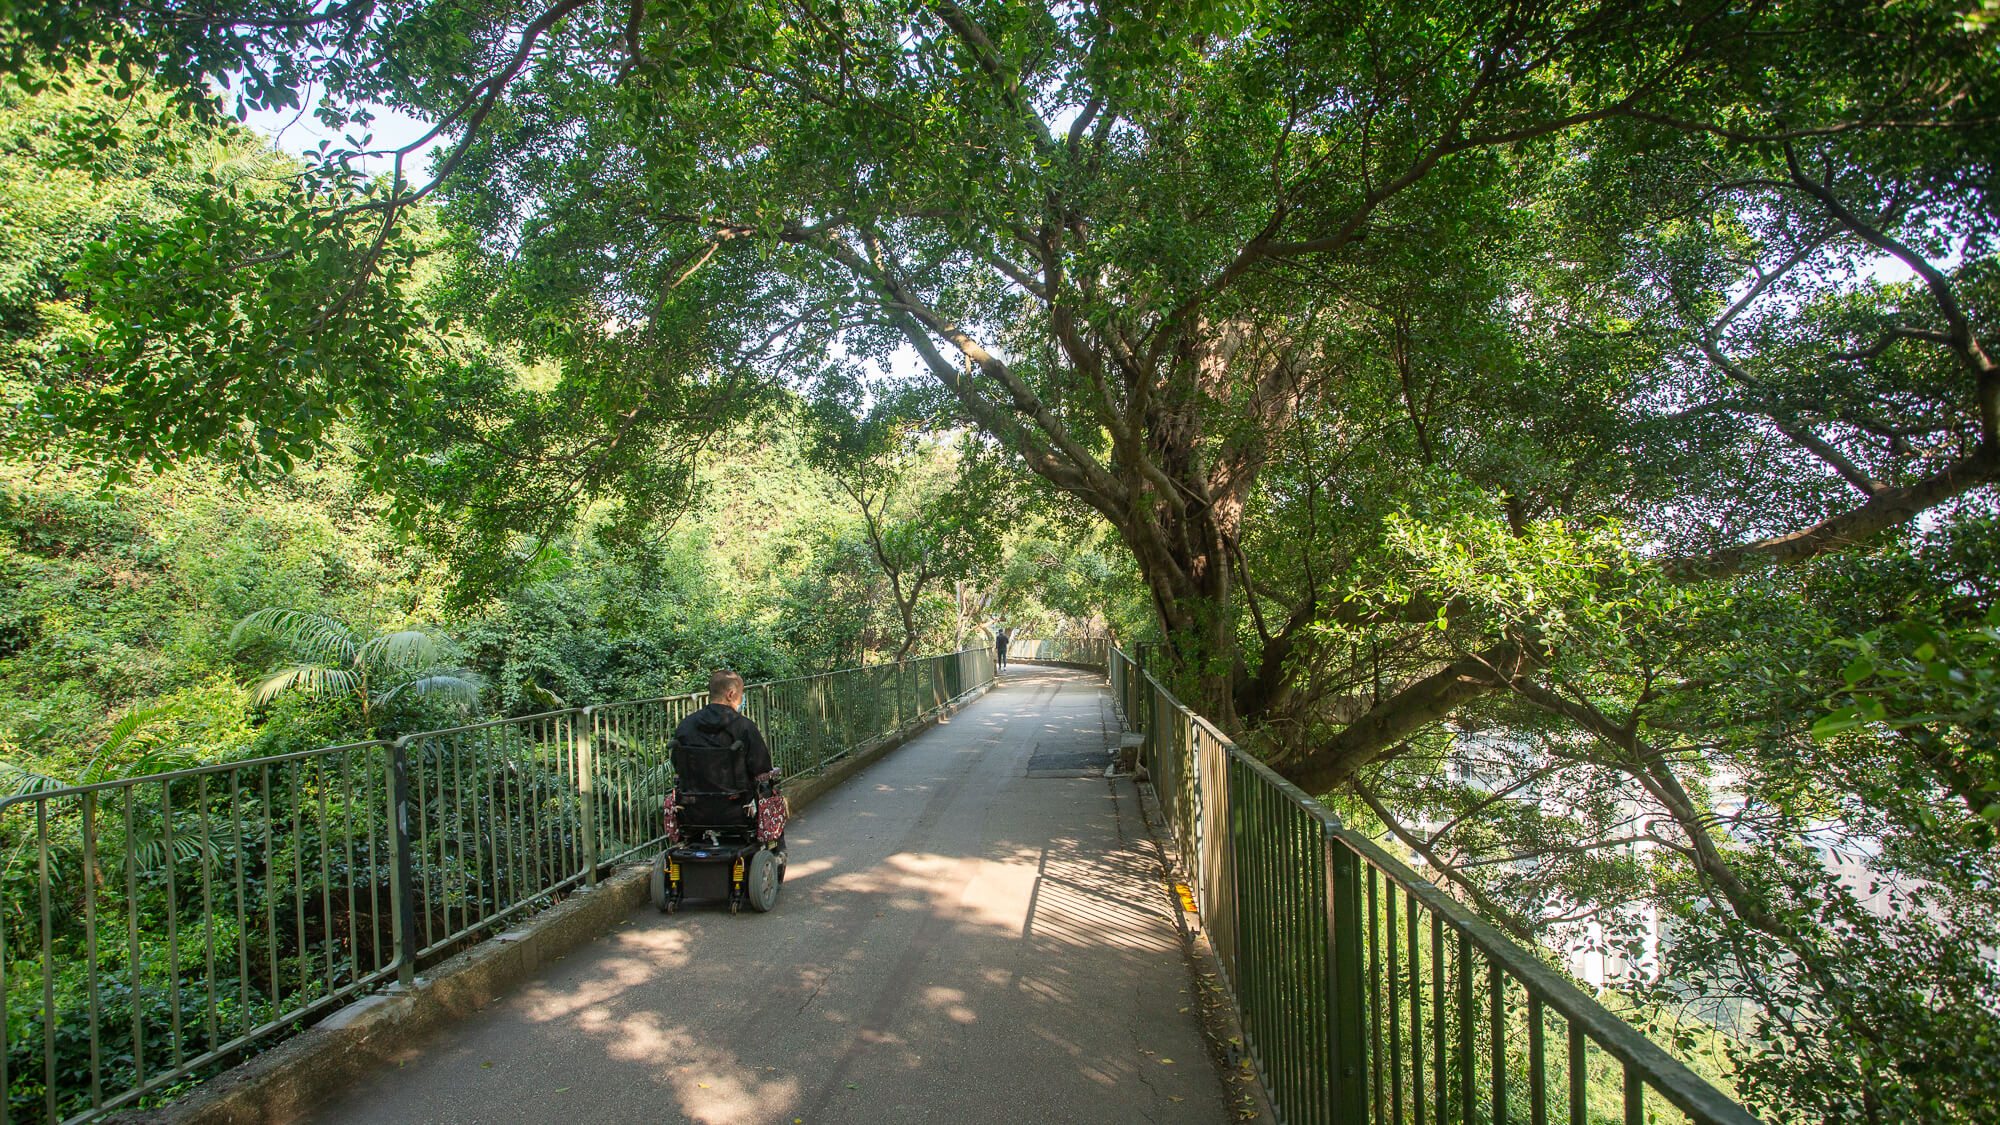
177	775
296	755
486	723
858	668
689	696
1673	1079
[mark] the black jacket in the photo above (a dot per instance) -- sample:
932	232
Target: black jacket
719	750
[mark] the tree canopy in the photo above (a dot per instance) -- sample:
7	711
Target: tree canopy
1578	371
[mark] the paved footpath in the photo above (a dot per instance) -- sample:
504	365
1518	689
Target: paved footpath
975	929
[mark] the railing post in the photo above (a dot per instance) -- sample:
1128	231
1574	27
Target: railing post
403	873
586	791
1348	1066
816	719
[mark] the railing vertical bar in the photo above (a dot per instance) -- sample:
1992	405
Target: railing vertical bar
48	965
1468	1078
1416	1014
349	807
506	791
244	1022
1635	1097
375	848
1496	987
533	776
135	977
1579	1113
453	872
586	793
402	885
1329	1015
95	1000
1441	1090
1393	958
1538	1078
418	839
325	877
1374	992
483	891
299	882
167	858
1344	893
492	799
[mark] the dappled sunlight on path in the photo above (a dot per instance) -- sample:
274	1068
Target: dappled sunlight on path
961	938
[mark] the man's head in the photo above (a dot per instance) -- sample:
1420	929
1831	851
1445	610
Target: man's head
725	686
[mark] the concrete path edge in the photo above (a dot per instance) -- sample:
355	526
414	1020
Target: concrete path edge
290	1080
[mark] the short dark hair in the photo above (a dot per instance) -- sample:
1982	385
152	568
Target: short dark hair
722	682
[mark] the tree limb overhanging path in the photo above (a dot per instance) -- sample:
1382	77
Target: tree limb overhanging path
974	929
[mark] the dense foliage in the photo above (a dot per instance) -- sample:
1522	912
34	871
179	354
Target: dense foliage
1564	434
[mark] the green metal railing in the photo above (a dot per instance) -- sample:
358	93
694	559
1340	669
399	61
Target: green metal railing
154	928
1092	651
1366	994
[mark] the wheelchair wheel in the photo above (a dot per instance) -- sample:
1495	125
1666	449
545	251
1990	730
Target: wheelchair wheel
760	883
662	894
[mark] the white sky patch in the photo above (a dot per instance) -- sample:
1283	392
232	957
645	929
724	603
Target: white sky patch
300	133
1891	270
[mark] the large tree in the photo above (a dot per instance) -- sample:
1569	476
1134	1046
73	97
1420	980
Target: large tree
1131	245
1541	365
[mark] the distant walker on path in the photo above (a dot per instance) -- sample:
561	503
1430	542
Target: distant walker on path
1000	649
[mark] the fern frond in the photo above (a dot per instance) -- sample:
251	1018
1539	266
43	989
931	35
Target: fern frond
159	759
135	728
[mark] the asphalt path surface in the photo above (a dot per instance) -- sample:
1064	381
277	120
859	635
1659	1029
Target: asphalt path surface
974	929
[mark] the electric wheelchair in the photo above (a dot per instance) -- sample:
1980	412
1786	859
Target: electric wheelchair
723	845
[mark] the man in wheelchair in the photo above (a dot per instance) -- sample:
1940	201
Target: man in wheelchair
725	815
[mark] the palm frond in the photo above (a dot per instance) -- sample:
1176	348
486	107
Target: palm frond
314	680
406	648
462	690
19	781
315	634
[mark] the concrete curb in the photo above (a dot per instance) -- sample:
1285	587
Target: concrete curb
1221	1023
289	1081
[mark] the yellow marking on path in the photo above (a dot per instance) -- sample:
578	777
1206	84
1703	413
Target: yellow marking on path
1187	898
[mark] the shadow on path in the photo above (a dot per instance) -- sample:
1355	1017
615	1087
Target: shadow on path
957	941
